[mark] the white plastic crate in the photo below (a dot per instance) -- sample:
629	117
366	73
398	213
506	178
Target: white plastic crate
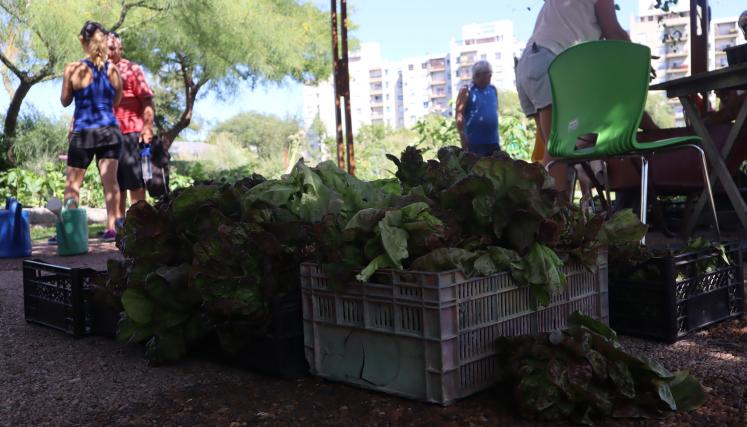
431	336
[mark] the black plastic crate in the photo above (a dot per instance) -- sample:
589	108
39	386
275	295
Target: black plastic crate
280	353
102	314
54	296
693	290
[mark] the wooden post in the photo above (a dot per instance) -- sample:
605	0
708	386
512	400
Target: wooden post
699	21
345	78
337	87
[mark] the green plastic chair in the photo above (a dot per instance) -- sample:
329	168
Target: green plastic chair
600	88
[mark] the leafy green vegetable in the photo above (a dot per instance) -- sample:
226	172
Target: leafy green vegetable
583	372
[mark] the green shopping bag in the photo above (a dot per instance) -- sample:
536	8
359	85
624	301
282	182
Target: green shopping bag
72	231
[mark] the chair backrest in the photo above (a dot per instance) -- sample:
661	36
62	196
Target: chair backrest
598	87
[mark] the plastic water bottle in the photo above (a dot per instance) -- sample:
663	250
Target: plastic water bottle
145	163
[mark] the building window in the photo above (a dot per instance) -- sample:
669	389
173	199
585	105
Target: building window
424	65
498	55
411	67
483	57
425	104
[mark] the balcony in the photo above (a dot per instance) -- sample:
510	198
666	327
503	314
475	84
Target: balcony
725	36
436	65
439	82
438	95
677	54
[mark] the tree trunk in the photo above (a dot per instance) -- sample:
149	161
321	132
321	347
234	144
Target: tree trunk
190	95
184	120
11	123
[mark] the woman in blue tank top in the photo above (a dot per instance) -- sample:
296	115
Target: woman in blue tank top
96	87
477	112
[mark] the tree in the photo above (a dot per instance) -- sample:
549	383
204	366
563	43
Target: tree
37	39
198	46
374	142
660	109
264	134
516	130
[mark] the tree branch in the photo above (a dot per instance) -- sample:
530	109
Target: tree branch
126	9
12	67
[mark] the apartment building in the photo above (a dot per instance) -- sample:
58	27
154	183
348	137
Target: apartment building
490	41
724	32
398	94
375	91
426	87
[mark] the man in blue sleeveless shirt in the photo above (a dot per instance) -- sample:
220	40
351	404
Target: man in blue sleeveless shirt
477	112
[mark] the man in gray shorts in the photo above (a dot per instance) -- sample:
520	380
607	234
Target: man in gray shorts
560	24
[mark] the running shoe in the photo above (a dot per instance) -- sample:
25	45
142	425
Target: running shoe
109	236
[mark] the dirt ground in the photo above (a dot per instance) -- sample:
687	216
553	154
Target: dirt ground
48	378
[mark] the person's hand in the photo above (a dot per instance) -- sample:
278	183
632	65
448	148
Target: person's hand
146	135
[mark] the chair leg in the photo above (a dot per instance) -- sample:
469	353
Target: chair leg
644	193
573	178
607	186
707	183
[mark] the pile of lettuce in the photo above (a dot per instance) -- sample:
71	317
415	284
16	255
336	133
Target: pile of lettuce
209	259
645	264
483	215
583	373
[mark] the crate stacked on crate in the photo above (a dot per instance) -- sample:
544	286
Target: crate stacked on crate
690	291
62	298
431	336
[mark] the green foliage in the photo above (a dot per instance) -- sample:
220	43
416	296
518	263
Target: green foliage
266	135
372	144
32	188
35	188
266	42
39	140
209	258
660	110
516	130
436	131
38	38
583	372
504	213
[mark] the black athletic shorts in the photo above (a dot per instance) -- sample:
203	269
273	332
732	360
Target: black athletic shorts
129	172
102	143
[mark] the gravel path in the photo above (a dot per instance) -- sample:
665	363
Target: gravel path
48	378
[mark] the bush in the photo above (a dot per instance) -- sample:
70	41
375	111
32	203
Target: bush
33	189
39	140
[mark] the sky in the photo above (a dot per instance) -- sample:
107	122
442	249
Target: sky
403	28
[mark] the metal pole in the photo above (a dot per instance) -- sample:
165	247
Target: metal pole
345	80
337	87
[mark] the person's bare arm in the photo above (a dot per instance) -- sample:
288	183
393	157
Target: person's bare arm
607	18
461	104
116	80
149	112
66	96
